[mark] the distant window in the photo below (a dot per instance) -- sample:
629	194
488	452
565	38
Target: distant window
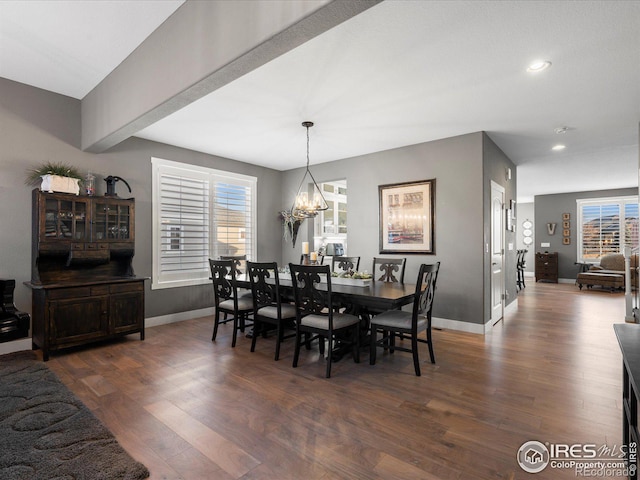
198	213
333	221
606	225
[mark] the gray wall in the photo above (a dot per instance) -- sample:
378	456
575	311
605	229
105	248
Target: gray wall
525	211
37	126
457	165
549	209
495	165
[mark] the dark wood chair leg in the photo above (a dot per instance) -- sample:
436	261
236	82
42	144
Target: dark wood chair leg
296	352
235	331
329	355
257	326
414	348
430	343
356	344
216	322
278	340
372	347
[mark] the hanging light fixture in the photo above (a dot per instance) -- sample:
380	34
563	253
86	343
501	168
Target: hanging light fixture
303	206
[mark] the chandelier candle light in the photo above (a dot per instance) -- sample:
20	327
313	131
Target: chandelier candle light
302	206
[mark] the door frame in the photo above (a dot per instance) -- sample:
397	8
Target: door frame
501	220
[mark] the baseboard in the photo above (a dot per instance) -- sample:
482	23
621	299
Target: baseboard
566	280
177	317
512	307
15	346
448	324
530	274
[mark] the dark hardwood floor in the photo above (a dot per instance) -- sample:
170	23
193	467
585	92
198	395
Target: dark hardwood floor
192	409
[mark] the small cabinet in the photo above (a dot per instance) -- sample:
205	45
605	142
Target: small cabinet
69	316
547	267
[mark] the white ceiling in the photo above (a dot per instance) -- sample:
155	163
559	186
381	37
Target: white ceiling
400	73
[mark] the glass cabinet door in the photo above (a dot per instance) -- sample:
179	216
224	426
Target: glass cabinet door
65	219
111	221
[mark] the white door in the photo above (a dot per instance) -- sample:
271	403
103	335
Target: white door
497	252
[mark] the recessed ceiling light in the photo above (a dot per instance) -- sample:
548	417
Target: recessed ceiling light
558	147
538	66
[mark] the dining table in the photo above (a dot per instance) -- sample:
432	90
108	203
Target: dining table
358	297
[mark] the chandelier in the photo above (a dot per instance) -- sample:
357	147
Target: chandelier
305	206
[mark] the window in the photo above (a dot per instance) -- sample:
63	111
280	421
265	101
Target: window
198	213
333	222
606	225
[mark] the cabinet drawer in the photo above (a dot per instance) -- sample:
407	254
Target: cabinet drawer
127	287
74	292
100	290
97	246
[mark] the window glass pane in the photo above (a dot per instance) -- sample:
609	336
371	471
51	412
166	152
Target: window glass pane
232	220
333	222
631	225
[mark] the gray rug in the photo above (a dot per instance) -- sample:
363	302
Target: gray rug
48	433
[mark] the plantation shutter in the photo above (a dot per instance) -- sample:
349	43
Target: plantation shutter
184	233
607	225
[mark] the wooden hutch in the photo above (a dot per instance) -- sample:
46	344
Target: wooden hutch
82	280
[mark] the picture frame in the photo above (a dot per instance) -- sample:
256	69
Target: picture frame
566	224
566	216
566	240
566	232
407	217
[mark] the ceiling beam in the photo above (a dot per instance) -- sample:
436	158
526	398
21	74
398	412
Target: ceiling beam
200	48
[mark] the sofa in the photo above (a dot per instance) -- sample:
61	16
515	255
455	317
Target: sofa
609	273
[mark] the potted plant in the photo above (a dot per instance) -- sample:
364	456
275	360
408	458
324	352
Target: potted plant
55	177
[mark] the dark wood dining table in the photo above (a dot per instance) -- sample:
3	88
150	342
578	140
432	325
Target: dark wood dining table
358	299
376	296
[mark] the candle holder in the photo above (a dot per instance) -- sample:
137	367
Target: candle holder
305	259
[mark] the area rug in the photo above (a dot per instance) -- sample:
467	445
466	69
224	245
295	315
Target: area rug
46	432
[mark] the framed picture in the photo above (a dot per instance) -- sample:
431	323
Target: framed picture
407	217
566	232
566	224
566	216
566	241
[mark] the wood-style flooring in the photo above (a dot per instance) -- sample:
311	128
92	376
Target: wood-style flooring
191	409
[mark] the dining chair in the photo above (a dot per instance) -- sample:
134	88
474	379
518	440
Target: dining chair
343	264
239	263
386	269
412	323
315	315
227	300
267	305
